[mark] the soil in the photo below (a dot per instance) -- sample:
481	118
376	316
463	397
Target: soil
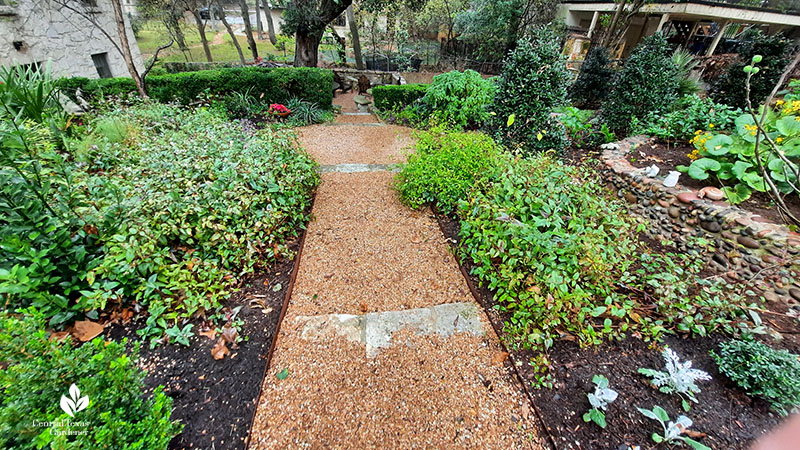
729	418
668	155
216	399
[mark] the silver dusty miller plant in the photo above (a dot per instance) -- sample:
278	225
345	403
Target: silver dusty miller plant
679	378
602	396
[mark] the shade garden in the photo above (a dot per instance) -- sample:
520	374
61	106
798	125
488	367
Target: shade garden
148	244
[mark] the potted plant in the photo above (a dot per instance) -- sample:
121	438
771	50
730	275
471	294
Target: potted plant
279	110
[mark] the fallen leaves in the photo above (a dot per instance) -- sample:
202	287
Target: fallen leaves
220	350
498	358
209	333
229	336
86	330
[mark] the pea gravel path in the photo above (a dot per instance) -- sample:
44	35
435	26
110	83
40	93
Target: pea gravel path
365	255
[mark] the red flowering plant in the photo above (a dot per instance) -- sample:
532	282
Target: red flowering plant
279	110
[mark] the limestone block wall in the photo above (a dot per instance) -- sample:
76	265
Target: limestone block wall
743	247
43	31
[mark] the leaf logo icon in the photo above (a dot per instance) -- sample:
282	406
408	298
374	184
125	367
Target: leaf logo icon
74	402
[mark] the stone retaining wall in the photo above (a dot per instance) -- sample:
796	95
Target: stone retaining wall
744	247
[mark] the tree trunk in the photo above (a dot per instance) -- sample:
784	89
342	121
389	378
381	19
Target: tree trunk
230	31
126	48
351	19
306	48
201	29
247	28
259	25
270	26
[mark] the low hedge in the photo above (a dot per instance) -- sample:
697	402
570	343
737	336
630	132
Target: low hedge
277	84
389	97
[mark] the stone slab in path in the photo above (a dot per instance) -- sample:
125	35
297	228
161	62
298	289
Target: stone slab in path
375	330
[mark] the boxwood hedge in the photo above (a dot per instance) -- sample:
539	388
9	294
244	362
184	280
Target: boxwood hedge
390	97
277	84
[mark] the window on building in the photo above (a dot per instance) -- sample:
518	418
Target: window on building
101	64
340	21
88	3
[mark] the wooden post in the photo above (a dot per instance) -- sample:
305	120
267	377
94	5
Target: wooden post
662	22
720	31
592	26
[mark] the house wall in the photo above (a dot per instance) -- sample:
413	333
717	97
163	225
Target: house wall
48	32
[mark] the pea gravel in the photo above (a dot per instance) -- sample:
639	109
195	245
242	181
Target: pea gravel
366	252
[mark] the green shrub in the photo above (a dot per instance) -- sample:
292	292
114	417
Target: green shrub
392	97
169	218
762	371
729	88
277	85
691	114
594	79
459	99
550	245
533	82
647	84
563	259
47	250
685	62
445	167
37	371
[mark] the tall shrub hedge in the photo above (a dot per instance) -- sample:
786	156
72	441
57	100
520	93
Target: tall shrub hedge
277	85
648	83
594	79
396	97
533	82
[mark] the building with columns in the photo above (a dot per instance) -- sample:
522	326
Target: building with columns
701	26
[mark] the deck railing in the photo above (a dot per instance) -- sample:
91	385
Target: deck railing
779	6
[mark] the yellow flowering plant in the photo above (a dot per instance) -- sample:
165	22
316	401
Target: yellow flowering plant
731	157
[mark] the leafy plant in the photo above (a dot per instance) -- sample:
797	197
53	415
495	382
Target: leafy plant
578	124
673	431
679	378
458	99
690	118
39	369
180	335
686	63
600	399
729	88
733	158
550	244
532	84
166	212
305	113
445	167
647	84
762	371
594	79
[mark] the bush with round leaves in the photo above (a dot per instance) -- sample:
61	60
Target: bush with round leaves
594	79
647	84
533	82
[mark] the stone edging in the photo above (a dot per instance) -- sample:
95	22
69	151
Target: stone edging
743	244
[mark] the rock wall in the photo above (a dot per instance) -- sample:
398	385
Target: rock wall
743	247
43	31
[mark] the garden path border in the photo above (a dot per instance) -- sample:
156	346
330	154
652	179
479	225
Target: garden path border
284	308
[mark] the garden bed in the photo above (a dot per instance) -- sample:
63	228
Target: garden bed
216	400
668	155
725	414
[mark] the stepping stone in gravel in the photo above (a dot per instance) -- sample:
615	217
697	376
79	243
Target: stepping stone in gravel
357	168
375	329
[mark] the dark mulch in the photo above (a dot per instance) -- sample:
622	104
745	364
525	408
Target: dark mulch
668	155
216	399
729	418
